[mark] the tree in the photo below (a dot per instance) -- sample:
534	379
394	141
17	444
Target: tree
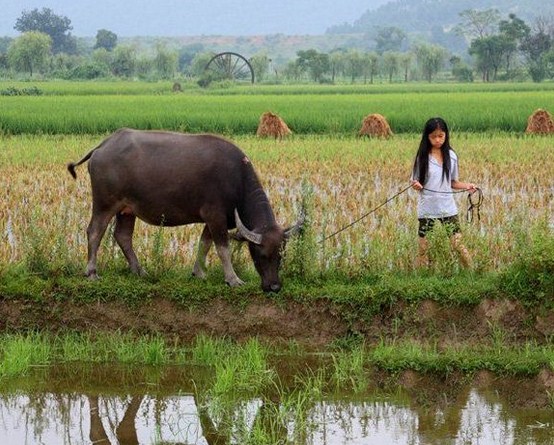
535	48
430	59
513	30
30	52
406	63
477	24
5	44
260	65
102	58
391	62
165	61
124	61
187	54
371	66
538	47
199	62
354	64
460	70
490	52
56	26
316	63
105	39
144	67
293	70
389	39
337	60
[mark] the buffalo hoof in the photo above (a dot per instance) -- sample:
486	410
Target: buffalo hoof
140	272
235	283
198	273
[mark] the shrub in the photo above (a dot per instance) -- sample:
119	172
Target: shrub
13	91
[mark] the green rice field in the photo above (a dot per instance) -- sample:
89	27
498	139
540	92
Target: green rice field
92	108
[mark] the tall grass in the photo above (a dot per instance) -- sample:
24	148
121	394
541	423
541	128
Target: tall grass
21	352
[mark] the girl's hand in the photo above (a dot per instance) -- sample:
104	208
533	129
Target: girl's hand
471	188
417	185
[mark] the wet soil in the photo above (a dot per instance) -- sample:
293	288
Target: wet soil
316	324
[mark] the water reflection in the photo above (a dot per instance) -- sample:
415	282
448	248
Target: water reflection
177	413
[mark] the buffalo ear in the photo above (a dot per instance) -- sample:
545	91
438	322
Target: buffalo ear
296	228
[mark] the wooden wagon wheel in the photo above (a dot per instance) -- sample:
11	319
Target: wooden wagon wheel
230	66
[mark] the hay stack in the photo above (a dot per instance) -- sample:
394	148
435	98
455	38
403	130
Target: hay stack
375	125
540	122
272	125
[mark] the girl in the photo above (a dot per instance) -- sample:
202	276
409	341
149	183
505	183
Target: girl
434	175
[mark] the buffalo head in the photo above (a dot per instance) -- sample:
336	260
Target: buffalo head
265	249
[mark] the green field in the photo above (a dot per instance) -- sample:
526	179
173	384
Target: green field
92	108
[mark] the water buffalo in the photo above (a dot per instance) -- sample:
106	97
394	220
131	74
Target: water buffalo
171	179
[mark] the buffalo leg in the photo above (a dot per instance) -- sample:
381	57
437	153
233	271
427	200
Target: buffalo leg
199	269
221	240
95	232
123	234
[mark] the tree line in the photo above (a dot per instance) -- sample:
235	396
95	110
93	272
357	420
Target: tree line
497	49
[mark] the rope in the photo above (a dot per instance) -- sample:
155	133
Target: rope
366	214
472	206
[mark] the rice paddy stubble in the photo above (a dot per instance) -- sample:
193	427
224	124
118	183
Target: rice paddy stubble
348	177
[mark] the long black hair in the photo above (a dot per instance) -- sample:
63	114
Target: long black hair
421	163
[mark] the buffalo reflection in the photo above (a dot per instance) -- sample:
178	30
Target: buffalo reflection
454	415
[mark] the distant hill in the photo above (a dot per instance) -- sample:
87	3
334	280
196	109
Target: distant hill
420	16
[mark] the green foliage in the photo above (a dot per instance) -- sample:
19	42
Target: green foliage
531	275
13	91
105	39
300	259
208	350
349	369
87	72
243	370
29	52
389	38
47	22
430	60
442	256
19	352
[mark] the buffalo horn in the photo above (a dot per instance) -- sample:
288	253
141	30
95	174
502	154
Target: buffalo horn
249	235
297	227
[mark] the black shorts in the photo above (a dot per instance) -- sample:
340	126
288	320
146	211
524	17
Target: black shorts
426	224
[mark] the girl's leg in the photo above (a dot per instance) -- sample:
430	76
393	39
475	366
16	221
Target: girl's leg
465	256
422	259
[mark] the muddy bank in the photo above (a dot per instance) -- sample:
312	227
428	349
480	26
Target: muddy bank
315	324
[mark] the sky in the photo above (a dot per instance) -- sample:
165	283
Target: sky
128	18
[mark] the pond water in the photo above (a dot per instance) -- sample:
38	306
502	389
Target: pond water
130	406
